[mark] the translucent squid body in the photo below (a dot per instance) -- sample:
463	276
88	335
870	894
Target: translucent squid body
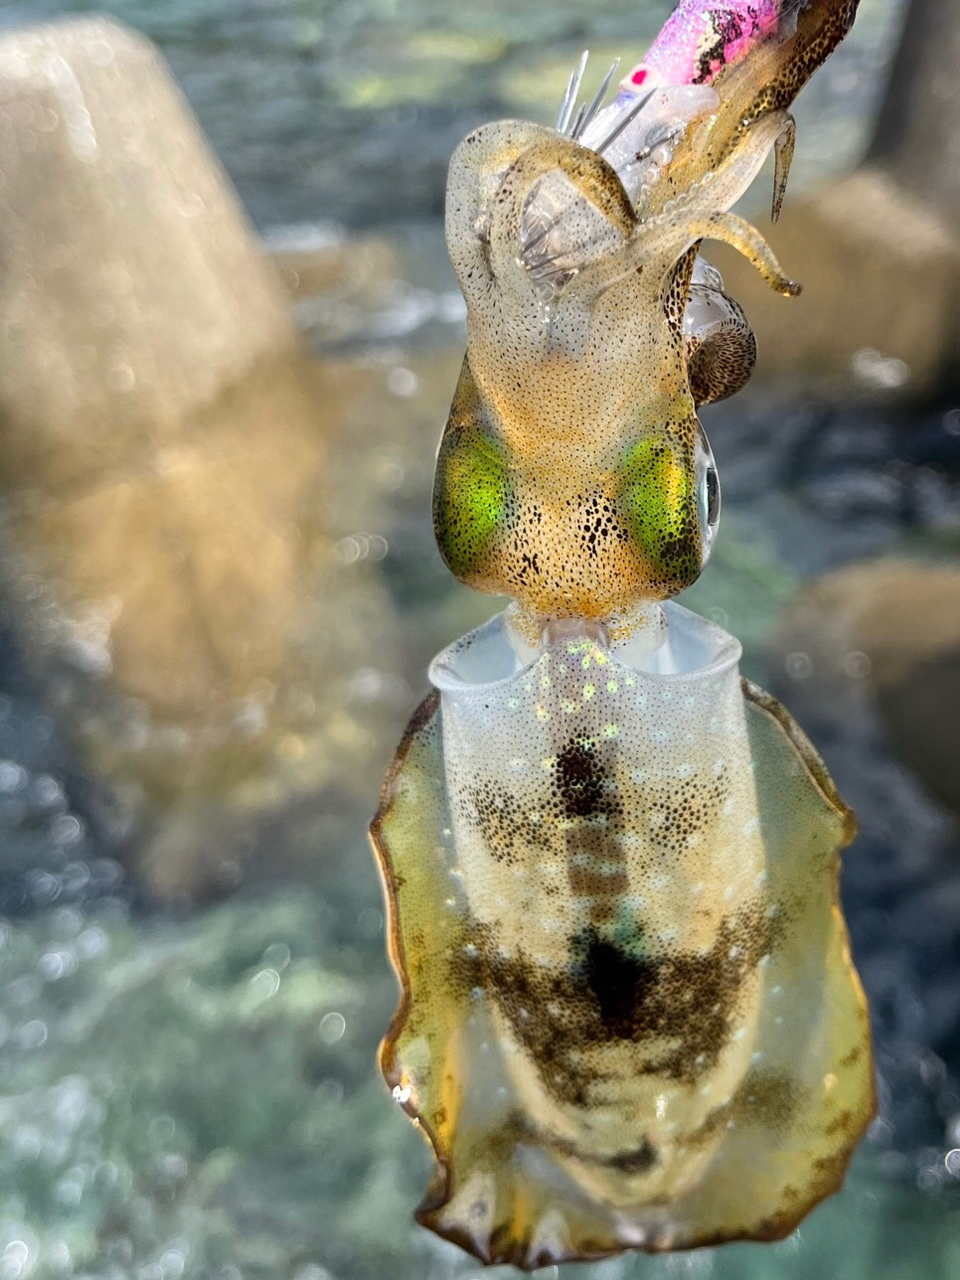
629	1017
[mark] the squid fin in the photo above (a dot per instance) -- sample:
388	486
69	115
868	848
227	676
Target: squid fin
813	1083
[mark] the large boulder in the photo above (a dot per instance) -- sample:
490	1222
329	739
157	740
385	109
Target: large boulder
880	270
888	630
168	568
131	287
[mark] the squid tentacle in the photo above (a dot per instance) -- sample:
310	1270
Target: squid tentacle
682	229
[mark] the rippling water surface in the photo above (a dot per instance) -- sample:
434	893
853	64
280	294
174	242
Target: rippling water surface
349	109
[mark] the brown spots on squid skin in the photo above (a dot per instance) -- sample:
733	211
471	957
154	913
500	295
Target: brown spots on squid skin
720	365
830	1169
589	172
517	1129
596	863
853	1057
841	1123
540	1007
598	526
681	810
586	815
687	998
641	1160
676	291
580	780
687	1001
583	794
504	821
770	1098
596	871
633	1161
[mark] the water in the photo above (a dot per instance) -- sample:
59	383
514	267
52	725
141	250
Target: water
349	109
190	1092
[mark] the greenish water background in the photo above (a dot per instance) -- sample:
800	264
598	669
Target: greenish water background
349	109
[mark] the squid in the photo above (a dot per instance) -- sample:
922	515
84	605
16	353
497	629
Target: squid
629	1017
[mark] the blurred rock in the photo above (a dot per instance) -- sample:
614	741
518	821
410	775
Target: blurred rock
169	570
889	630
881	281
206	634
917	136
131	288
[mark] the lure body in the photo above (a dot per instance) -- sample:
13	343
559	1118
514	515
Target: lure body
629	1017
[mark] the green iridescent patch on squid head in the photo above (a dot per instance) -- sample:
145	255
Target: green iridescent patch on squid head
471	498
659	510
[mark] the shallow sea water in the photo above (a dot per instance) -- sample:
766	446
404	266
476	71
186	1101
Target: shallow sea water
191	1092
349	109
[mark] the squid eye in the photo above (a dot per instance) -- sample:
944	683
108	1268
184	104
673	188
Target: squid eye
708	493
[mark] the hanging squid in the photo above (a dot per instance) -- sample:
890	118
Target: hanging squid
629	1017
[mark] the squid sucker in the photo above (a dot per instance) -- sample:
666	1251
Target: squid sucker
629	1017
